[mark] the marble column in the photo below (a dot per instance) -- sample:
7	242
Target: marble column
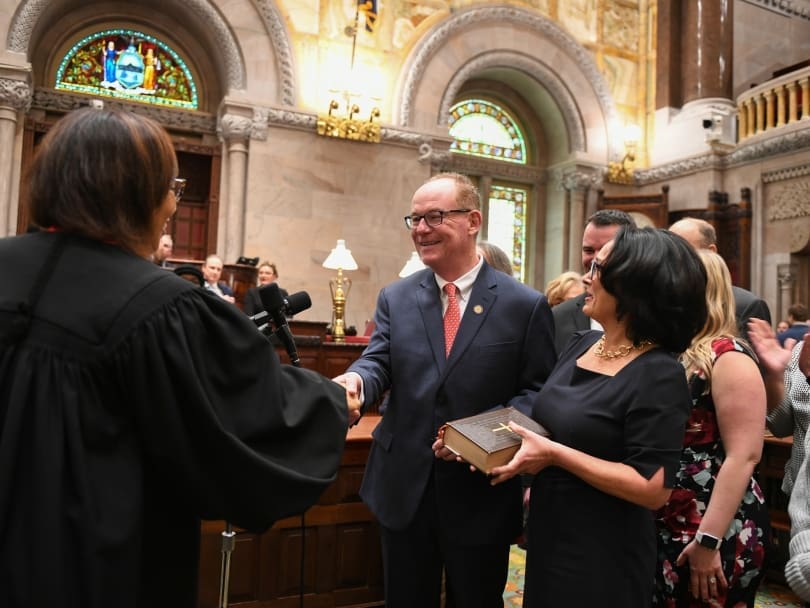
234	130
15	97
707	45
577	185
786	275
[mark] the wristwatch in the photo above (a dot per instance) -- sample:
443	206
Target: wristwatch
708	541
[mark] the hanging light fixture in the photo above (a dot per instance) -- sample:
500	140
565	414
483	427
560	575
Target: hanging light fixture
349	126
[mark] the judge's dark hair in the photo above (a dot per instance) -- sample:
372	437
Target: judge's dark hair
102	174
659	284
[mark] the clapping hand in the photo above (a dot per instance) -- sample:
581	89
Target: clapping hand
771	354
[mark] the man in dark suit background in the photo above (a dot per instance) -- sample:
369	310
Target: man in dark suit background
600	228
436	515
701	235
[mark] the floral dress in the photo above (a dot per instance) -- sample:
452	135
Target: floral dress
743	550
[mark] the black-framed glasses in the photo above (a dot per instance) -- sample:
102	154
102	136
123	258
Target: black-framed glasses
432	218
178	186
594	267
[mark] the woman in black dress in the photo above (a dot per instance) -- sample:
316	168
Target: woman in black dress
615	405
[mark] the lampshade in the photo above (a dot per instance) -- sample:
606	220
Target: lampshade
414	264
340	257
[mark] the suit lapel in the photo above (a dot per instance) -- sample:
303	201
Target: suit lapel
430	307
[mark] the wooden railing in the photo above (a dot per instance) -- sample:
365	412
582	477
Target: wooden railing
774	104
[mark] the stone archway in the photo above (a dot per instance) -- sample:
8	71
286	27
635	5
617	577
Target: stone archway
481	37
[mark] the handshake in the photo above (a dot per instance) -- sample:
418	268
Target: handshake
351	382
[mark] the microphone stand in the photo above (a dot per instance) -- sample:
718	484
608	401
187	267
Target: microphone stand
225	571
228	535
283	334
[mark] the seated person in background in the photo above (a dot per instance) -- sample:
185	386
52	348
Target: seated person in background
253	302
496	257
713	530
164	251
782	326
212	270
564	287
797	320
191	273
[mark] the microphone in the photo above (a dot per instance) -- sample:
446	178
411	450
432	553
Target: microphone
291	305
277	307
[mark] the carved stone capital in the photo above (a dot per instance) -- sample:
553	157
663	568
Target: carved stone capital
16	94
786	275
233	127
576	178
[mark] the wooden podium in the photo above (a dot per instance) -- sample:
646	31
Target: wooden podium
342	563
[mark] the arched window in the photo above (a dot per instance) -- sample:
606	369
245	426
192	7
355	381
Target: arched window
481	128
127	64
485	129
506	224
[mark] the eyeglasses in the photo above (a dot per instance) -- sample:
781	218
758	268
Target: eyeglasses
177	186
432	218
594	267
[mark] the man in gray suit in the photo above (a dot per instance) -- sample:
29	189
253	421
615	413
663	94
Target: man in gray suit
701	235
436	515
600	228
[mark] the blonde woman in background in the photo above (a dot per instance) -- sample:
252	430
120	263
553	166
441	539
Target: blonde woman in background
566	286
712	532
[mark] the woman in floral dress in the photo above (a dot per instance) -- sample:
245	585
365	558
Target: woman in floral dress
714	528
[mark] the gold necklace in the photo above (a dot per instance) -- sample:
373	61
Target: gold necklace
622	351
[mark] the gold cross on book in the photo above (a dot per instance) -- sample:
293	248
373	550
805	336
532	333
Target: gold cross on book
501	427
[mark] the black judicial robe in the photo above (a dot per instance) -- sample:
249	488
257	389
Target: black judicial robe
132	404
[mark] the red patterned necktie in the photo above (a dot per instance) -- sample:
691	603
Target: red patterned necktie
452	318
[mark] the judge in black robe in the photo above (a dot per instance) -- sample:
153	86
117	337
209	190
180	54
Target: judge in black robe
133	404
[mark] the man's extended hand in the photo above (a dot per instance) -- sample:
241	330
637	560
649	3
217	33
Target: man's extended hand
352	385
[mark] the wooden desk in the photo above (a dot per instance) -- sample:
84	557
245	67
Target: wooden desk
341	551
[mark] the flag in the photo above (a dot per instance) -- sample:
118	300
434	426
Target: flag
369	9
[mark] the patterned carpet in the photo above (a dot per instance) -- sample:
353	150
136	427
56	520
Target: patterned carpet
768	596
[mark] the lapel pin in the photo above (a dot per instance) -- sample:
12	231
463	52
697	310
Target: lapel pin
478	309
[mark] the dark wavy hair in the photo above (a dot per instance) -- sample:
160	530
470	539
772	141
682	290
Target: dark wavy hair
102	174
659	284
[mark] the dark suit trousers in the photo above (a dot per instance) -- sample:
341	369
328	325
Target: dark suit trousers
414	558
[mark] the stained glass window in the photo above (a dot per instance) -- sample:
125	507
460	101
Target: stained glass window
506	224
127	64
481	128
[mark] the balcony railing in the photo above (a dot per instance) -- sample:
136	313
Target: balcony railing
774	104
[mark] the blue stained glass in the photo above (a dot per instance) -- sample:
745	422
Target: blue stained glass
128	64
490	127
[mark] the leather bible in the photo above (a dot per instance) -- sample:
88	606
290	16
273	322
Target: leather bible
485	440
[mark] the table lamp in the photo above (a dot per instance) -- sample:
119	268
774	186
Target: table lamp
339	259
413	264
